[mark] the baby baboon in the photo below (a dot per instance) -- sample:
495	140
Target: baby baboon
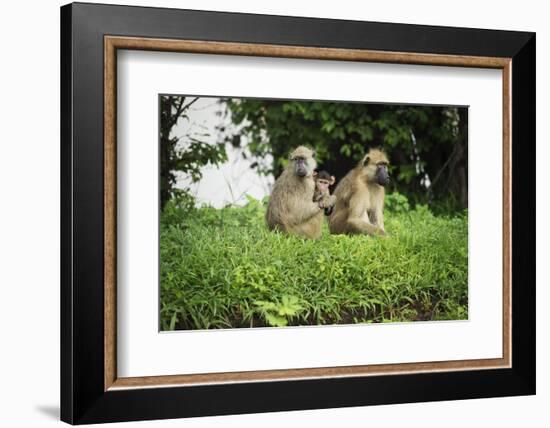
322	192
291	208
359	195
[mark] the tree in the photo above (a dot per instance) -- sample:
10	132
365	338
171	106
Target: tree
187	153
427	145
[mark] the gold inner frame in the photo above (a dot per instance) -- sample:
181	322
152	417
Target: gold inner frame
113	43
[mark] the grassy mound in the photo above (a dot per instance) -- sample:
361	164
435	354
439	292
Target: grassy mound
222	268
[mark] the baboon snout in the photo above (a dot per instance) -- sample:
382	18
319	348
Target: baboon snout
384	180
382	176
301	168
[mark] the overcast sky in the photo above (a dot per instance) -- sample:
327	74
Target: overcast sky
227	183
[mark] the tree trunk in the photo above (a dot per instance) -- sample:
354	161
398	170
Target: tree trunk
166	147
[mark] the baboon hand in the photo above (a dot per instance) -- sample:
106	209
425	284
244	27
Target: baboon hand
327	201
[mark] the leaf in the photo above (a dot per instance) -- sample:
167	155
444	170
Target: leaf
173	321
290	306
275	321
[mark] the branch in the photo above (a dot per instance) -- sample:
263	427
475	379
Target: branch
190	103
440	172
180	108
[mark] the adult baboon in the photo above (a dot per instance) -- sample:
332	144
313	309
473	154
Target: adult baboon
291	208
360	197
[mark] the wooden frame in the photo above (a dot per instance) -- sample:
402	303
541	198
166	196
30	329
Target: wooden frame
513	53
112	43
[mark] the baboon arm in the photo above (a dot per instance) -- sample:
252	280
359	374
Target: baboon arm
359	225
305	213
380	219
328	201
358	221
357	207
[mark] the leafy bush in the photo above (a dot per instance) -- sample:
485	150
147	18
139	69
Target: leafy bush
423	142
396	203
222	268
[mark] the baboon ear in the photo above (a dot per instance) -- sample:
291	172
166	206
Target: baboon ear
366	160
313	154
314	174
332	180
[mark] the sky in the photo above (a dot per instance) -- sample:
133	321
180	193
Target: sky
229	182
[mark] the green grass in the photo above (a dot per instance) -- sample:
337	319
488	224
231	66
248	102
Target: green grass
222	268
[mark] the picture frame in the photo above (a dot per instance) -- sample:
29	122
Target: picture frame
91	391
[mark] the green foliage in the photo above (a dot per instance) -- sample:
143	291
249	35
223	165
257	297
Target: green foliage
422	141
396	203
222	268
186	154
276	313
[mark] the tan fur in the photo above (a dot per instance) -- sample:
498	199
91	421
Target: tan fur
318	195
325	200
359	207
291	208
324	197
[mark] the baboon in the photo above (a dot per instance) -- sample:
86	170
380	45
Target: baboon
322	192
359	207
291	208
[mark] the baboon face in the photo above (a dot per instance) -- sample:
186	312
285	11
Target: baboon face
303	162
376	166
322	185
323	180
382	176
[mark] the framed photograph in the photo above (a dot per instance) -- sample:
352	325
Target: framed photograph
266	213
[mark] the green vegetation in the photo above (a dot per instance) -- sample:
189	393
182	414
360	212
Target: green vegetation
222	268
186	154
427	145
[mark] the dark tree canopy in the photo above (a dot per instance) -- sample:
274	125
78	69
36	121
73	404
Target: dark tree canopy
427	145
